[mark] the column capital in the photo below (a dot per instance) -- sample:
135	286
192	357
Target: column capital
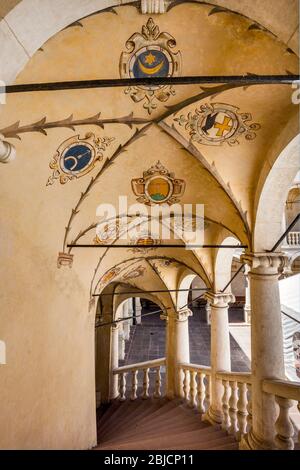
183	314
7	151
219	299
266	263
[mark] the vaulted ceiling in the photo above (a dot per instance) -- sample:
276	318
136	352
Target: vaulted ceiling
215	138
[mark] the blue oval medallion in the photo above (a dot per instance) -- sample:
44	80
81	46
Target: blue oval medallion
151	63
77	158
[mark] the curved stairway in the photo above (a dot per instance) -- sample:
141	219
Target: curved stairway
158	424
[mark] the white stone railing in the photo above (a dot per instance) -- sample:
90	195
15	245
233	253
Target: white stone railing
132	371
236	403
293	239
285	394
195	385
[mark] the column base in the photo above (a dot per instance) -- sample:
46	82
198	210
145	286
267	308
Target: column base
213	417
252	442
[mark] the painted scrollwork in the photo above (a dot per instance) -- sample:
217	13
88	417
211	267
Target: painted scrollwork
76	157
150	54
216	123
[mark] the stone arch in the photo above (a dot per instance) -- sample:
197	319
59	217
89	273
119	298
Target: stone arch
223	263
272	197
184	283
25	28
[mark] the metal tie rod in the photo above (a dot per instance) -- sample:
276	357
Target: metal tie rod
151	292
250	79
156	246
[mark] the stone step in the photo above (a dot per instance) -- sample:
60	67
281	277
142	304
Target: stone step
158	424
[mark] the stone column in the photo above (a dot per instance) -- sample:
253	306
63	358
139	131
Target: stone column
138	307
121	345
220	350
126	329
126	312
182	346
208	312
247	307
266	344
114	361
130	311
177	349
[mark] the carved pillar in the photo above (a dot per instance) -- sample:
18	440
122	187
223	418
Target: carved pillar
247	306
138	309
208	312
266	344
220	350
7	151
114	361
182	345
121	344
177	349
126	329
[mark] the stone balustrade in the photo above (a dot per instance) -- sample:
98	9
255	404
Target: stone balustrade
196	386
195	390
131	372
293	239
236	403
285	393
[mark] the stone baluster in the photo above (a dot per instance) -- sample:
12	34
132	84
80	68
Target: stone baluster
157	392
181	378
193	389
207	392
145	384
186	384
233	409
284	427
249	408
122	379
201	393
134	384
225	405
242	410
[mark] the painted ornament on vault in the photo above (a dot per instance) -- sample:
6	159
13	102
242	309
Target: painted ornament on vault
217	123
76	157
134	273
149	55
158	186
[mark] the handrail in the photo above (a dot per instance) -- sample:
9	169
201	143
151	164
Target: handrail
282	388
241	377
141	366
187	366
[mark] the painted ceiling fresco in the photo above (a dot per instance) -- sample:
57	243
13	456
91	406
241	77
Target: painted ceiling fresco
205	144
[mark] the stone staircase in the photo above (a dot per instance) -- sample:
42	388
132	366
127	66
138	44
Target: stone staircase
157	424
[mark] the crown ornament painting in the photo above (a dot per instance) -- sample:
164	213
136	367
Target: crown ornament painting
150	54
158	186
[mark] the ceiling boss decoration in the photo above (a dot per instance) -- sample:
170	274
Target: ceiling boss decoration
76	157
149	55
158	186
216	123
